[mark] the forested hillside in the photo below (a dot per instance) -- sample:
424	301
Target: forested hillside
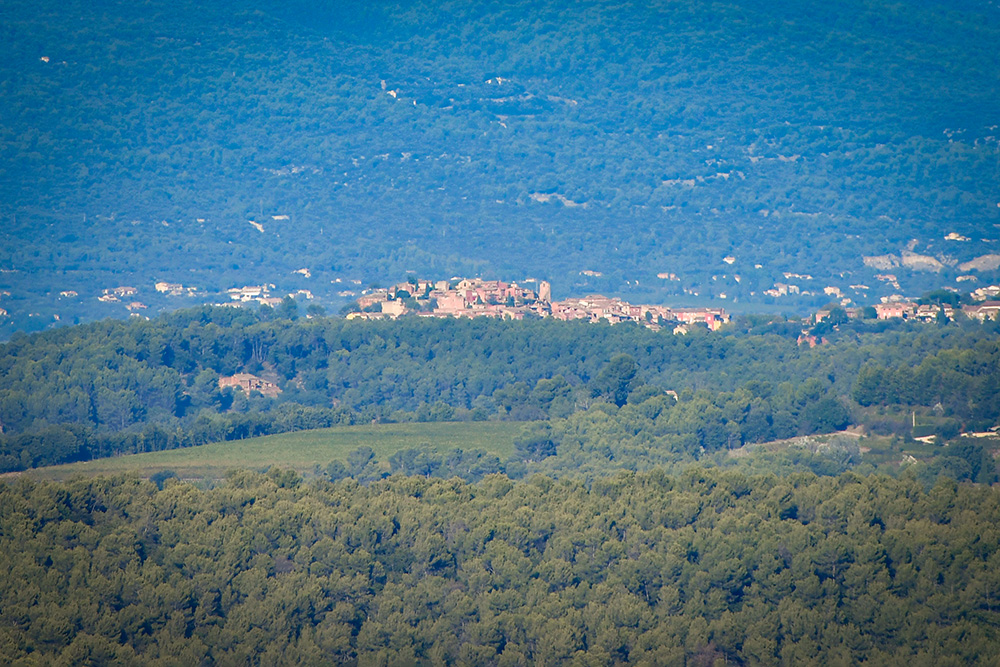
139	139
700	568
607	397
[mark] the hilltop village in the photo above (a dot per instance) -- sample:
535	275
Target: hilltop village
474	297
494	298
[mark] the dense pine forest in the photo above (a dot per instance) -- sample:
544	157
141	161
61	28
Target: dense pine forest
595	397
785	490
642	518
699	568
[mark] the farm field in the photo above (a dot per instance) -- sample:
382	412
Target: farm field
302	450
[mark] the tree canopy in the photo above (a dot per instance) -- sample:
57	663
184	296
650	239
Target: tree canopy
650	568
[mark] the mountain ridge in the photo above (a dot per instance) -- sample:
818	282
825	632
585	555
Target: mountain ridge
844	133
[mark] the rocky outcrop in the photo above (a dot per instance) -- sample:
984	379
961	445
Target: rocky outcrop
983	263
912	260
882	262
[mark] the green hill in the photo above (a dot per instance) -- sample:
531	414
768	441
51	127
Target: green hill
633	397
138	140
300	451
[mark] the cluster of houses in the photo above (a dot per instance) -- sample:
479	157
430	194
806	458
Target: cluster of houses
114	295
988	293
908	310
495	298
904	310
474	297
248	383
988	310
612	309
175	289
261	294
456	298
253	294
786	289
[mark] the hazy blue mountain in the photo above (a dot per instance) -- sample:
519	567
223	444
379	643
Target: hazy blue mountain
140	139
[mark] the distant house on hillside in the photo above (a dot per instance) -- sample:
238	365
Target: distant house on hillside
249	383
928	312
713	318
893	310
986	293
393	308
820	315
174	289
169	288
369	300
248	293
988	310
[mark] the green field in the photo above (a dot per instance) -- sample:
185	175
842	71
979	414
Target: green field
302	450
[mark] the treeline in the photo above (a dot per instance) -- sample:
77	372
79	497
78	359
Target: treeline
704	429
62	443
118	387
956	382
698	568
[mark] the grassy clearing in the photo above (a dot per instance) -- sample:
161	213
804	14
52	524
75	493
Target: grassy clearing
301	450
